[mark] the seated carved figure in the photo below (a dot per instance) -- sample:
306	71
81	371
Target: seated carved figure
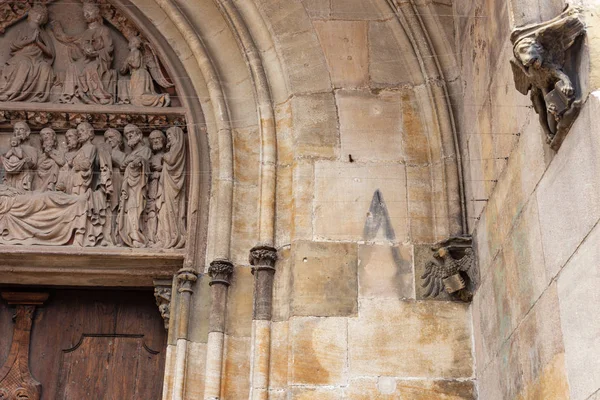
143	66
20	161
94	82
65	175
50	160
28	74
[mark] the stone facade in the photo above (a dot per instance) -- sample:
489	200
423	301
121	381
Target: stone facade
332	147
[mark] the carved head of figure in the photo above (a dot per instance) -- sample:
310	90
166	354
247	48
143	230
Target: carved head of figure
38	14
529	52
133	134
48	139
174	134
91	12
72	138
85	131
157	140
21	131
114	138
135	42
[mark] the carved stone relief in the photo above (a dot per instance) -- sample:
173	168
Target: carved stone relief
90	192
89	63
162	294
452	269
540	66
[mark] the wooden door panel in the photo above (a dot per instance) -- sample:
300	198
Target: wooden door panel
88	341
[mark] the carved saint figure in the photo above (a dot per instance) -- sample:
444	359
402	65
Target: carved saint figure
133	189
50	160
143	66
65	175
171	231
21	160
28	74
538	66
83	162
114	140
157	142
89	76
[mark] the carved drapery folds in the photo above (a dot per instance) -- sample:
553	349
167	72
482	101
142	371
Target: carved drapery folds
93	193
101	166
452	269
540	66
47	64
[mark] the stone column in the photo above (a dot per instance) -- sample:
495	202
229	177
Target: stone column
263	259
186	277
220	272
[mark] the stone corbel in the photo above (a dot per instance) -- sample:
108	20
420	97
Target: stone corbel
541	56
452	269
162	294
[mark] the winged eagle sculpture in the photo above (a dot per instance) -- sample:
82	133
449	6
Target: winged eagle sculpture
451	270
540	54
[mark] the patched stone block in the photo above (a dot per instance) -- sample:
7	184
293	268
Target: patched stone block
319	351
410	339
345	46
385	271
370	126
324	279
345	194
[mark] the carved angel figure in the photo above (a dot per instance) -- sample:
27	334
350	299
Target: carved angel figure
538	67
28	74
448	273
143	66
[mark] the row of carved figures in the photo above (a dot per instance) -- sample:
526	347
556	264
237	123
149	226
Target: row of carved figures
28	74
104	193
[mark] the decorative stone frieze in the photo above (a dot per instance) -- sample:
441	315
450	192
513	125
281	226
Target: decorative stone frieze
162	294
452	269
220	271
541	52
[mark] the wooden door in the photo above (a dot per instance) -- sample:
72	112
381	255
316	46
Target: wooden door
94	344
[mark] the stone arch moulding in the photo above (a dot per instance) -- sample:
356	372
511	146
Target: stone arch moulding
120	266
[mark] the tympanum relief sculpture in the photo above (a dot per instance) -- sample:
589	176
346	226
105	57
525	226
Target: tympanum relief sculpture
541	56
90	64
73	177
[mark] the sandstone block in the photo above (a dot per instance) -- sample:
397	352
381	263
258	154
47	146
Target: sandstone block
246	160
389	388
240	303
370	126
319	351
280	350
345	46
344	194
302	204
410	339
358	9
385	271
324	279
236	376
314	119
282	285
195	370
580	317
300	393
318	9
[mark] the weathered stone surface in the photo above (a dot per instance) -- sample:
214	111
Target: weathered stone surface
201	299
569	205
385	271
344	194
358	9
280	351
239	303
314	118
318	9
370	126
345	46
410	339
422	255
302	204
580	317
300	393
246	155
389	388
324	279
245	216
282	285
195	370
319	351
236	375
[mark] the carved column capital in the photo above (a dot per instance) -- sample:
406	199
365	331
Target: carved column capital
220	271
186	277
263	258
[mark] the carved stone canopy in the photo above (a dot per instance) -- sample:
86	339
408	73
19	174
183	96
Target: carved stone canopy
541	65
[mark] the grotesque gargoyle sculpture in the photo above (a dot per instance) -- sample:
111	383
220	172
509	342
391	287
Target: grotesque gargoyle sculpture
540	52
452	269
